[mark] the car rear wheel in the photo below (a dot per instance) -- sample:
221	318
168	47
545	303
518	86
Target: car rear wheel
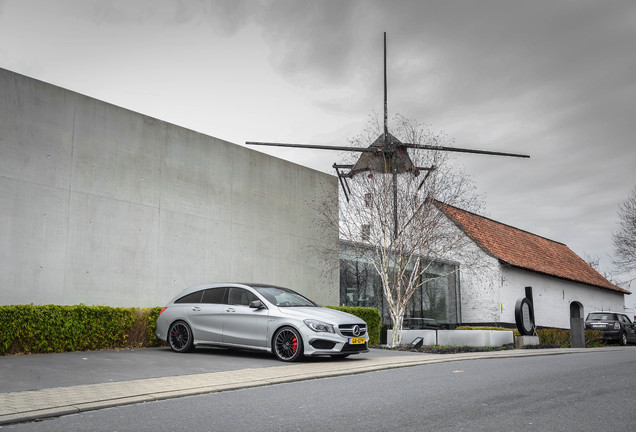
180	337
288	345
623	338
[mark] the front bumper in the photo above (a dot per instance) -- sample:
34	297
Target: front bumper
338	349
322	344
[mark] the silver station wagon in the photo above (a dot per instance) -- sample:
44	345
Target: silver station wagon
259	317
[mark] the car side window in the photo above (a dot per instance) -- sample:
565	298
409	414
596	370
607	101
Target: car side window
241	297
213	295
625	319
194	297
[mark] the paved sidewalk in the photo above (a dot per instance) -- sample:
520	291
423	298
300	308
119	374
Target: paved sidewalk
51	402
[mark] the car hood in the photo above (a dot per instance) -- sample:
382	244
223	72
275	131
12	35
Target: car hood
330	316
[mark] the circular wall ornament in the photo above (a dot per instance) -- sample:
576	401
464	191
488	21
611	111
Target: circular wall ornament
524	317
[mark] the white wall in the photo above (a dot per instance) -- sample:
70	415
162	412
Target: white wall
552	297
102	205
481	292
489	292
479	279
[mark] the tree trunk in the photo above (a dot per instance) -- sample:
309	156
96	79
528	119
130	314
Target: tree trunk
397	316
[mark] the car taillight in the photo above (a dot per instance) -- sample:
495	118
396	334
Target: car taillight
162	311
617	326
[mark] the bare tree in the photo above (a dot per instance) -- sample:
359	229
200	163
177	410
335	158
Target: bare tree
424	235
595	262
624	240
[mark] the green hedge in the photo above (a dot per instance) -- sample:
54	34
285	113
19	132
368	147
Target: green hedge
370	315
53	328
31	329
562	338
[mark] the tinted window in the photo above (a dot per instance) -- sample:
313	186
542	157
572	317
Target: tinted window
240	296
602	317
213	295
284	297
195	297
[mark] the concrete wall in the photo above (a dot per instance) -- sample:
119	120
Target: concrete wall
102	205
480	338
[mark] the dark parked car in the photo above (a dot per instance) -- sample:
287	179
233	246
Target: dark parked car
615	326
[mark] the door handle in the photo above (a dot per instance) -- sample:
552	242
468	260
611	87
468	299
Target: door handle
230	310
196	308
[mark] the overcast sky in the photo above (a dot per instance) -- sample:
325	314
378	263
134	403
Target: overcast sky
555	79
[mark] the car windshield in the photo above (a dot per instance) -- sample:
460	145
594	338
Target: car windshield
602	317
283	297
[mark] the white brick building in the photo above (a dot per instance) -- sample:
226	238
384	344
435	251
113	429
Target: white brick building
562	283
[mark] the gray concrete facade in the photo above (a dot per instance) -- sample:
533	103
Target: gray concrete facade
102	205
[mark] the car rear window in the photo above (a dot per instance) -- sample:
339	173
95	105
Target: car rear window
602	317
194	297
213	295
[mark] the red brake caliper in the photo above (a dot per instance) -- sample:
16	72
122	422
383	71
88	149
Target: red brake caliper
294	344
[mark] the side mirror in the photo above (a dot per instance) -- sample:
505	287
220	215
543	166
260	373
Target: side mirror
257	304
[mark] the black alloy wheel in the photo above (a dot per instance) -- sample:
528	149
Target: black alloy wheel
288	345
180	337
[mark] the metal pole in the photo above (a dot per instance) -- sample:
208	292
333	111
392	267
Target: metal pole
386	115
389	146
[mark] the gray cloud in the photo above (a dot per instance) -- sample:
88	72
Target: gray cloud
224	17
551	78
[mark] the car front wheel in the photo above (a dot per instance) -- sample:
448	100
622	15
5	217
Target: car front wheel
287	344
180	337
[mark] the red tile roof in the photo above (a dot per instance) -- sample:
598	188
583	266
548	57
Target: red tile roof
525	250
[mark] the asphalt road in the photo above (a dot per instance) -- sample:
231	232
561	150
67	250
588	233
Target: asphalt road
41	371
584	392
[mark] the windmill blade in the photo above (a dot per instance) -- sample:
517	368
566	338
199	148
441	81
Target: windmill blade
312	146
463	150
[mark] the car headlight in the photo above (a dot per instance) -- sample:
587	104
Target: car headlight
319	326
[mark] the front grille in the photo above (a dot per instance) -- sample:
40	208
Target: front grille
352	348
322	344
348	330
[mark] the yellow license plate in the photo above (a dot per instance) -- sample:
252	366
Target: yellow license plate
356	341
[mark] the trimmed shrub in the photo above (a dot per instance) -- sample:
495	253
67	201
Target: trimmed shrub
561	337
594	338
370	315
558	337
53	328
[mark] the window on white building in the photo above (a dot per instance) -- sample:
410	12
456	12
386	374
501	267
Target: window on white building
435	304
366	232
368	200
